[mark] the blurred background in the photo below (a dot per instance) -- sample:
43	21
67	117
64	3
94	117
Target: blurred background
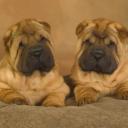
63	16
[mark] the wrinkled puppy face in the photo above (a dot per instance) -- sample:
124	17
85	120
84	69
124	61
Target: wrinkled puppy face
98	57
36	57
99	46
33	50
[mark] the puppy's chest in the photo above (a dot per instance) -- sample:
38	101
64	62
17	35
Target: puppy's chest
33	89
30	84
103	80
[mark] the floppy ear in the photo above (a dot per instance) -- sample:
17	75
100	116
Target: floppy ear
47	27
122	31
6	40
80	28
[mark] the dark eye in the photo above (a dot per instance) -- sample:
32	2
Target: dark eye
21	45
88	42
111	44
43	40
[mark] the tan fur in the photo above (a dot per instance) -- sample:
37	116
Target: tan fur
90	86
48	89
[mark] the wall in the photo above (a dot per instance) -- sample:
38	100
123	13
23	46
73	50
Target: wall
63	15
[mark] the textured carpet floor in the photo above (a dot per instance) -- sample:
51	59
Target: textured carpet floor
107	113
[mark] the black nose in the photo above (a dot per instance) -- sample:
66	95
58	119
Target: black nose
36	51
98	53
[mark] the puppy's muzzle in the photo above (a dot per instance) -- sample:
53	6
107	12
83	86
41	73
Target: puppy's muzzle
98	53
98	59
36	51
37	57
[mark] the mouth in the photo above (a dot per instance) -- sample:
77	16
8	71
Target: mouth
37	58
105	65
30	67
98	57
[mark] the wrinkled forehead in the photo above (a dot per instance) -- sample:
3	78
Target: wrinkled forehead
101	28
29	31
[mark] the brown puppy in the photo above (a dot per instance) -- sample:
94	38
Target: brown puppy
101	64
28	72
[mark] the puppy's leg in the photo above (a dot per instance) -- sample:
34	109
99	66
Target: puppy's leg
10	96
54	99
57	97
86	95
121	91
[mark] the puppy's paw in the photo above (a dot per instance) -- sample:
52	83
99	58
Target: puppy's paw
87	99
121	94
10	96
19	101
86	96
52	104
53	101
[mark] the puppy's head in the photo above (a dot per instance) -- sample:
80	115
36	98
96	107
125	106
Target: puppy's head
101	45
29	46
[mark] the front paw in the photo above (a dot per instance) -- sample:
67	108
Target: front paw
88	99
122	94
19	101
86	96
53	102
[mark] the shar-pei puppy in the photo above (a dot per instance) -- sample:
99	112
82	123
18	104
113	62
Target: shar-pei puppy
101	63
28	72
